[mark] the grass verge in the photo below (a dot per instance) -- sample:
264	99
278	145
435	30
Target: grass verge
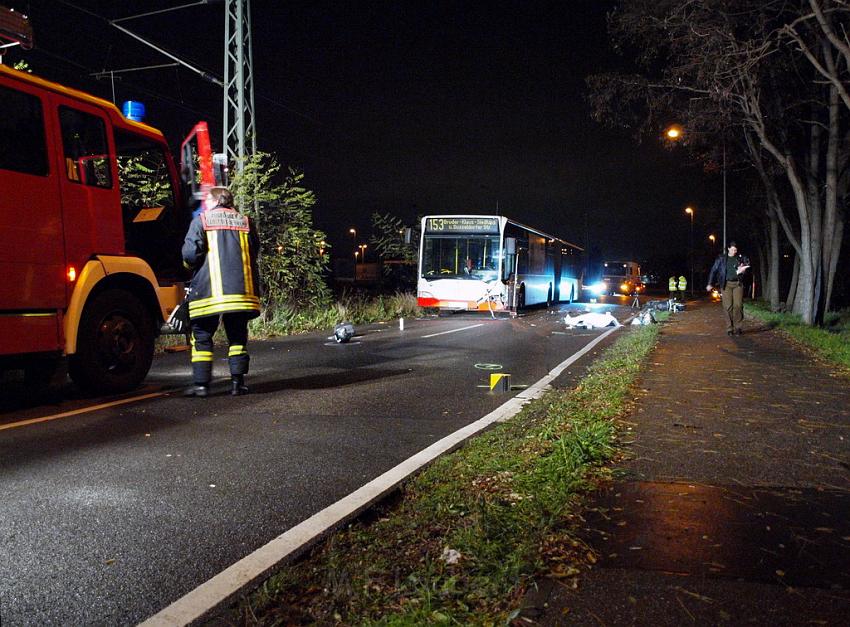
354	309
465	538
830	342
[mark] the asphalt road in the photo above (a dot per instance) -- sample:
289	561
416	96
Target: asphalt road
108	515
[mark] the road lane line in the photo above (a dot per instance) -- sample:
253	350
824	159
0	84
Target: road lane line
82	410
480	324
225	586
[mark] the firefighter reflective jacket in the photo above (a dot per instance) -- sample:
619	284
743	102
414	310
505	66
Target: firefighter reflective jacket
221	247
683	283
671	283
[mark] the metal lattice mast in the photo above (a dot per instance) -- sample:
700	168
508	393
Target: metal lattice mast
240	133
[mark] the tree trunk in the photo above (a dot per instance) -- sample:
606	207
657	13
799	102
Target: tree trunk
837	241
804	301
792	289
832	231
762	272
770	288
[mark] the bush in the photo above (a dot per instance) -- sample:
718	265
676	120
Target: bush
293	253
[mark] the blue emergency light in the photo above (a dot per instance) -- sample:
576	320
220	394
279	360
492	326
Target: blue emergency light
133	110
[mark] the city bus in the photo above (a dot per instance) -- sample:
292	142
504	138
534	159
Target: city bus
92	218
492	263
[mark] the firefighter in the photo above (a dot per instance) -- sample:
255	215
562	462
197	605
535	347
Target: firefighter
221	248
683	285
671	286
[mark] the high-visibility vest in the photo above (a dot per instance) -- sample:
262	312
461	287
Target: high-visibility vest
221	246
671	283
683	283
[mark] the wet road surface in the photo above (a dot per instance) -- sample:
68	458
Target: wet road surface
109	515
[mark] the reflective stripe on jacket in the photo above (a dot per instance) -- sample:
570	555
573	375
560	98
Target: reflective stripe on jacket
671	283
221	246
683	284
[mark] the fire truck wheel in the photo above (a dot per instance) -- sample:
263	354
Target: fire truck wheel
114	344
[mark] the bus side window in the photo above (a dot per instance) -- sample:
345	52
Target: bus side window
85	149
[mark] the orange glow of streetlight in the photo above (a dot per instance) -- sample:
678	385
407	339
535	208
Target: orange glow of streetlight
689	211
674	132
712	239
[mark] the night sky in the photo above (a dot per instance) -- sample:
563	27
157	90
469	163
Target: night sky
410	107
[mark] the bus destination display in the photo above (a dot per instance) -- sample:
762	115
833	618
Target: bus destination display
462	225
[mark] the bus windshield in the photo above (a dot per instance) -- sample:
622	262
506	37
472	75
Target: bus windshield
615	269
461	257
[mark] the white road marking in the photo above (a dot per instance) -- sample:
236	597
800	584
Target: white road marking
472	326
252	568
82	410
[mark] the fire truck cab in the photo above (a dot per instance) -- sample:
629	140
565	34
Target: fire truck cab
91	222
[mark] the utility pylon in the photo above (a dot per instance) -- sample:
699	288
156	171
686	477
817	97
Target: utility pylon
240	132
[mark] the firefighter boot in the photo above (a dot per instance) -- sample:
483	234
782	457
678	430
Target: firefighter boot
238	387
197	390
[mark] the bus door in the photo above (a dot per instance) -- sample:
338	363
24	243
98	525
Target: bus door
88	181
32	257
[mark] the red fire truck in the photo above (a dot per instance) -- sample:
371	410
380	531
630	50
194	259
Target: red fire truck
92	217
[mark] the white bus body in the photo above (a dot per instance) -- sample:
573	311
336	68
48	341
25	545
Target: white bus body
491	263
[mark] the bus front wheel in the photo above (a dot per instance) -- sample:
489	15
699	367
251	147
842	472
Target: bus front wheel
114	344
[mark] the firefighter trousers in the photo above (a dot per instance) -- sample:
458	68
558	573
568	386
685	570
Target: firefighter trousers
203	330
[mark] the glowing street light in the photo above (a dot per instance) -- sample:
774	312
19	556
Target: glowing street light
675	132
712	239
690	212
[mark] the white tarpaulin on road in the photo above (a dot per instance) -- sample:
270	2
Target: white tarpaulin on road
591	321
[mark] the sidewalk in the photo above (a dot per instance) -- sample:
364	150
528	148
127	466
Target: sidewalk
735	503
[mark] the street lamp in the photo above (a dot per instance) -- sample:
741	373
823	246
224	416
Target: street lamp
712	239
353	232
362	248
690	212
674	133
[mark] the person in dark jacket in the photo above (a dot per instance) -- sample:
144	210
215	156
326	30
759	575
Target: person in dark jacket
221	248
727	275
